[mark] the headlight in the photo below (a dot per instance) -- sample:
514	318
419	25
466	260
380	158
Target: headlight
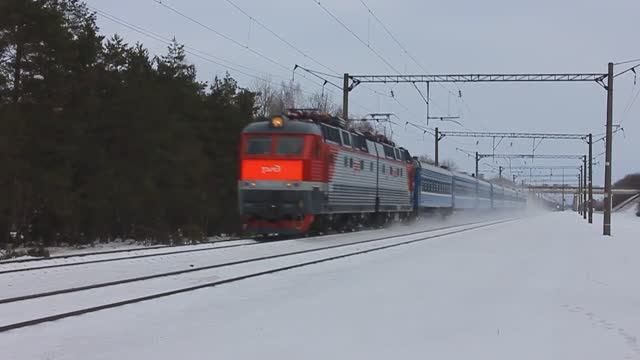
277	122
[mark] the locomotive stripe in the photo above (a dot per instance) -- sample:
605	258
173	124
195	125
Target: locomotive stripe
282	185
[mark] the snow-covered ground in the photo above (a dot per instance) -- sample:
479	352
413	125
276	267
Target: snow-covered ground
106	247
547	287
122	256
26	310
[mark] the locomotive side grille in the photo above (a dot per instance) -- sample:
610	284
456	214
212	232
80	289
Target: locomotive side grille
342	194
353	186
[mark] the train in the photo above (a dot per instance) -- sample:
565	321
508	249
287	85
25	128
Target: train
306	171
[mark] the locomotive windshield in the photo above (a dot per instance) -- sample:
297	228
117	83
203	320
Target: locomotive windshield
259	145
290	145
284	145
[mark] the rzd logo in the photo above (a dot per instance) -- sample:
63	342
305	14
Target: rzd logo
271	169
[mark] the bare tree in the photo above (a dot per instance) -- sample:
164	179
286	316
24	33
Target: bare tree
265	97
449	164
290	95
271	100
322	101
424	158
362	126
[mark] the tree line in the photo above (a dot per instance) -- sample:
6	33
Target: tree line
101	140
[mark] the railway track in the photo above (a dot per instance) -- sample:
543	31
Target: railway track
102	257
106	252
213	246
76	301
104	274
148	253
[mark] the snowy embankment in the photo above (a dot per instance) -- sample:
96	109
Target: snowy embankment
228	266
547	287
99	248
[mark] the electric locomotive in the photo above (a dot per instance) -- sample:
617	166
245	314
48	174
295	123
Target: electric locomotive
306	170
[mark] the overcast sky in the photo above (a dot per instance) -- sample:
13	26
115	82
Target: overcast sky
490	36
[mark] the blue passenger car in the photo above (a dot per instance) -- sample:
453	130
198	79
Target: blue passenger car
438	188
465	189
433	188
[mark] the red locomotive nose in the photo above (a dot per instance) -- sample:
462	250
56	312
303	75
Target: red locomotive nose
267	169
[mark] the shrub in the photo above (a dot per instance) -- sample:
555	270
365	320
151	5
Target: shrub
40	251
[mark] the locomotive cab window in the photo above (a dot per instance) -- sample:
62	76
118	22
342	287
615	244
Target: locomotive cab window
290	145
331	134
346	141
406	155
359	142
259	145
388	151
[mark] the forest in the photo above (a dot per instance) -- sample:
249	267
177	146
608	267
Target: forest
99	140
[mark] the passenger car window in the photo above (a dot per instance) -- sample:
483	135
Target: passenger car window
259	145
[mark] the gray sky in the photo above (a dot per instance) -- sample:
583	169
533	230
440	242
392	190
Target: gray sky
468	36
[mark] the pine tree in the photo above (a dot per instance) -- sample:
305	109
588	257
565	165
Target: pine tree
98	140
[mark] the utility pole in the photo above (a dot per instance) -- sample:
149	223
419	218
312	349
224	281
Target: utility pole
477	160
345	97
437	140
584	187
579	194
563	199
590	179
606	228
428	101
